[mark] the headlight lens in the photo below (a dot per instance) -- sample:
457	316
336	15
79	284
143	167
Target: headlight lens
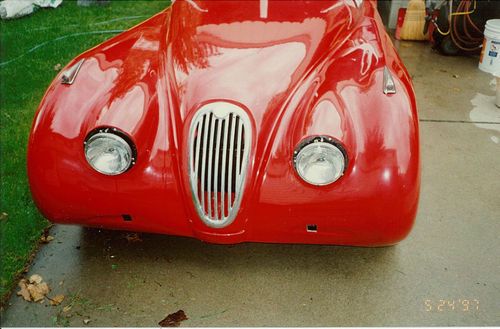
108	152
320	161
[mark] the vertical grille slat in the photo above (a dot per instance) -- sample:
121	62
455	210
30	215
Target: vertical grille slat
209	169
238	156
216	171
225	146
230	168
219	146
196	151
203	162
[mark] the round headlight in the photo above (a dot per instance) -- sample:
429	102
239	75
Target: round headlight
319	161
109	152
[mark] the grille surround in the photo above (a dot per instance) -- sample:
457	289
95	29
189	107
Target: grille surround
219	141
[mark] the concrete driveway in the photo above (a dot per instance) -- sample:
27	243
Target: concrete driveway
450	259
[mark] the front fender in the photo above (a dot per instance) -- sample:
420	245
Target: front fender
117	86
376	200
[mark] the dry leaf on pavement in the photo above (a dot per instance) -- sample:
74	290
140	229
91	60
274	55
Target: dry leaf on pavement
24	290
35	278
56	300
174	319
46	239
38	291
33	289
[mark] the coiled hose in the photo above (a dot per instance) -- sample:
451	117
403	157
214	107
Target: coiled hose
470	37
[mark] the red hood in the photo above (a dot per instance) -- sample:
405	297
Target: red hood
250	52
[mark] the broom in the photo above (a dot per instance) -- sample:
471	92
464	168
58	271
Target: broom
414	21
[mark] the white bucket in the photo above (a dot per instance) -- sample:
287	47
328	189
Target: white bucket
489	61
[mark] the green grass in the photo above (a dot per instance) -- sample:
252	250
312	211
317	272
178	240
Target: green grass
22	85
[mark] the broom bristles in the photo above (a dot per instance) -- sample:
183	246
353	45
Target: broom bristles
414	21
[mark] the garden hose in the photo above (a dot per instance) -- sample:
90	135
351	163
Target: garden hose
471	37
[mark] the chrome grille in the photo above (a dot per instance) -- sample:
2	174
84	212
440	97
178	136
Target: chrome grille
219	145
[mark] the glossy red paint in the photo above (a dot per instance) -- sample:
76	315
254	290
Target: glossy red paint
301	68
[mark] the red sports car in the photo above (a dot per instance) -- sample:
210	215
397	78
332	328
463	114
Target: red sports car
232	121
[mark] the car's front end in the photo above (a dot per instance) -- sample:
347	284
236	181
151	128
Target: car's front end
269	121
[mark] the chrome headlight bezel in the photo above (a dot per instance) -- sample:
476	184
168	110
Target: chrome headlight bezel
325	141
117	136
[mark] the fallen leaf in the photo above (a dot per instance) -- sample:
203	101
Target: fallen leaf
57	67
456	76
38	291
33	289
35	278
56	300
67	308
174	319
24	290
46	239
86	321
4	216
133	237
